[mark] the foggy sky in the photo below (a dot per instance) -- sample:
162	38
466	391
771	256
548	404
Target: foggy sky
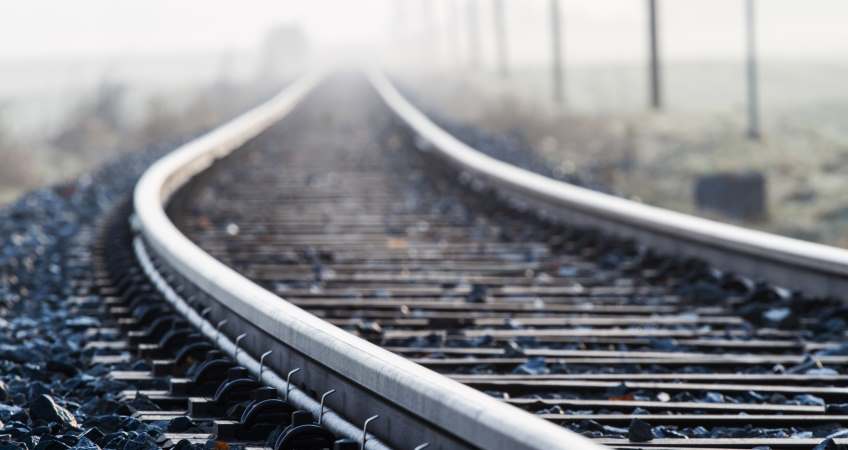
595	30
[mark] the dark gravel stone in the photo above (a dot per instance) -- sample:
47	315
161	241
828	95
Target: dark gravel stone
99	406
49	386
533	366
834	325
639	431
827	444
85	444
61	367
106	386
568	271
841	434
700	432
44	408
703	292
713	397
755	396
9	412
619	390
38	389
668	432
512	349
107	423
12	445
778	398
809	400
180	424
781	317
478	293
132	424
185	444
141	365
837	408
825	430
15	354
664	344
51	443
615	431
115	440
140	441
142	402
777	315
94	435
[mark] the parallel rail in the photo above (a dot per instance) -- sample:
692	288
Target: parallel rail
813	268
416	404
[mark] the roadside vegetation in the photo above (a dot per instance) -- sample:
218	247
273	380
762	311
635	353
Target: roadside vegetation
99	129
657	158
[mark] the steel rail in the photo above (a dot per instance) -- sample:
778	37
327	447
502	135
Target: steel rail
813	268
474	418
298	398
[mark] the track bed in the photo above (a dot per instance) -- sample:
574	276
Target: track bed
338	210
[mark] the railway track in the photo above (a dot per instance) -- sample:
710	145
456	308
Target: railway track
393	288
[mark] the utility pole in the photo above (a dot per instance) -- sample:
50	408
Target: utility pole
500	39
556	53
654	65
473	35
754	130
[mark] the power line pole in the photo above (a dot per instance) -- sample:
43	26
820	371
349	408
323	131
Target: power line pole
754	130
556	52
473	35
654	69
500	39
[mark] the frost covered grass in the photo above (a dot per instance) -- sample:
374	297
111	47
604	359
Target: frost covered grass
656	157
99	129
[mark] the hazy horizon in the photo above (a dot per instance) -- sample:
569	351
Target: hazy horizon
595	30
55	52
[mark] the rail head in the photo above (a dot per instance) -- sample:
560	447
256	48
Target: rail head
468	414
816	269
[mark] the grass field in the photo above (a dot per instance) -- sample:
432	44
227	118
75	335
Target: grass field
59	118
607	134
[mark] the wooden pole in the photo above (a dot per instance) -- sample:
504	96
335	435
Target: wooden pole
501	39
473	35
556	53
654	65
754	129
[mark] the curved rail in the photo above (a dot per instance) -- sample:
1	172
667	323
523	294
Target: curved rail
470	416
814	268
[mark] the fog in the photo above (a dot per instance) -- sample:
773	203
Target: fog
47	29
595	30
164	69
